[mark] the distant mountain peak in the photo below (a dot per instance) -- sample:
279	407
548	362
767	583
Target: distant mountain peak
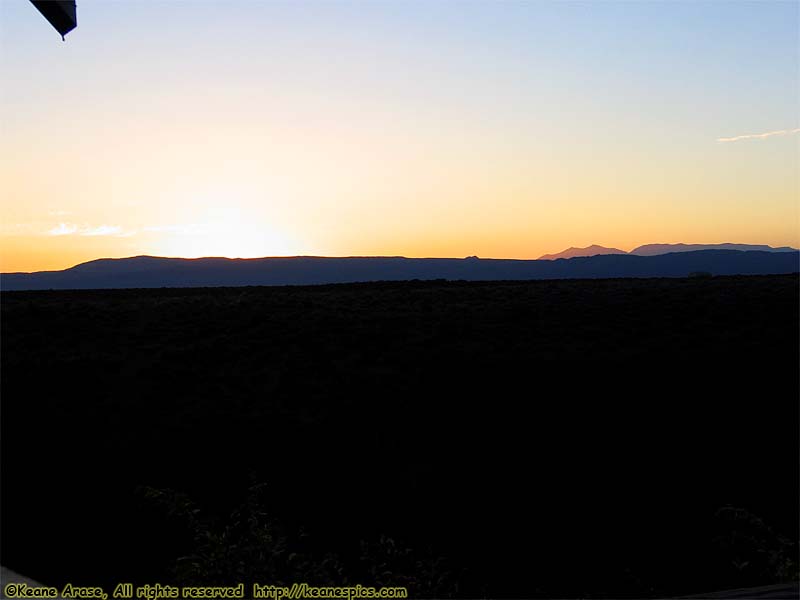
573	252
655	249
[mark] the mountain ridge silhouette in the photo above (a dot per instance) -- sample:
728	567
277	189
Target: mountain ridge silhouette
154	272
573	252
656	249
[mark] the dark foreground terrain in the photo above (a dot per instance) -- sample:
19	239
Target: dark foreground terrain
553	438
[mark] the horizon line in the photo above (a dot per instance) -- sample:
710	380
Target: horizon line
398	256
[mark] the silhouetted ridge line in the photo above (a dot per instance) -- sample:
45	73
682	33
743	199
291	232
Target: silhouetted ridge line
655	249
573	252
151	271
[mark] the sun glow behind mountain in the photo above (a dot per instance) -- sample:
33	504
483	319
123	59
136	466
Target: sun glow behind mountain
225	231
248	129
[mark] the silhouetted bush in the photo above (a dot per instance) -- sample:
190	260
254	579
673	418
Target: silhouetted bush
755	552
250	547
390	563
247	547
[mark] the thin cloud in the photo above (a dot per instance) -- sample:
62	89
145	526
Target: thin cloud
63	229
759	136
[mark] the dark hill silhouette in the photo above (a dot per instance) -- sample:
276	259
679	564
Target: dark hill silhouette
573	252
150	271
654	249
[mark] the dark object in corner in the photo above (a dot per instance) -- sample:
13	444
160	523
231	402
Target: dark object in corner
62	14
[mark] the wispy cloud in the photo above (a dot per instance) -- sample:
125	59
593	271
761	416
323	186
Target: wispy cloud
759	136
63	229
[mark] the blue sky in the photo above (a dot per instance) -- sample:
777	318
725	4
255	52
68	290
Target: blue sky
415	128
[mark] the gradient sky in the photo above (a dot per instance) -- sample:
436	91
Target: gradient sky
415	128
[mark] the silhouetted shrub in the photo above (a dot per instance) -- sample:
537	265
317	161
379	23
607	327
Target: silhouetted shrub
753	549
250	547
390	563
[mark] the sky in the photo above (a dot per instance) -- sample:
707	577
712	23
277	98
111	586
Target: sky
418	128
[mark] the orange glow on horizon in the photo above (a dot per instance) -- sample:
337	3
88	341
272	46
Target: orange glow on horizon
509	133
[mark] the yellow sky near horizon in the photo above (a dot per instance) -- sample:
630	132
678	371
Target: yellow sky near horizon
340	134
